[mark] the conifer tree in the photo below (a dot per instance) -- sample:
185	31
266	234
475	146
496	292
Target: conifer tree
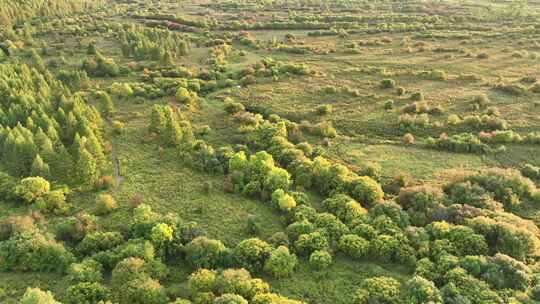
39	167
86	168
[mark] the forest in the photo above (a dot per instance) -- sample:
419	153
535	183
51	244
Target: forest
269	152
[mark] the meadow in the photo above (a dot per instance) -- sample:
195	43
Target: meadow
269	152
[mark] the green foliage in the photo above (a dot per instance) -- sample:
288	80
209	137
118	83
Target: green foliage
202	252
310	242
320	259
280	263
86	271
86	293
252	254
37	296
419	290
133	282
33	251
354	246
31	188
378	290
105	204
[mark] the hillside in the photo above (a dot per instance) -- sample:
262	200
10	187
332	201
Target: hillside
269	152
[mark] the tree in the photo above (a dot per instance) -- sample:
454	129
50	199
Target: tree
87	171
106	103
39	167
281	262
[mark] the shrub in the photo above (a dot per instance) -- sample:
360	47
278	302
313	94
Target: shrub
419	290
30	188
31	250
132	281
37	296
53	201
367	191
202	252
353	245
252	254
234	107
99	241
388	83
203	280
324	109
281	263
408	138
417	96
378	290
388	104
118	127
515	89
308	243
105	204
87	271
283	201
320	259
229	298
86	292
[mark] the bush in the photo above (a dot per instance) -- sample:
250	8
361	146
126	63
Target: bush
281	263
86	292
308	243
367	191
87	271
320	259
105	204
252	254
378	290
37	296
388	104
132	282
229	298
388	83
99	241
32	251
515	89
417	96
408	139
203	280
30	188
53	201
234	107
324	109
202	252
118	127
283	201
353	246
419	290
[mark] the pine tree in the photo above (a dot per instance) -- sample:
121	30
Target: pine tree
39	167
107	105
157	119
87	171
